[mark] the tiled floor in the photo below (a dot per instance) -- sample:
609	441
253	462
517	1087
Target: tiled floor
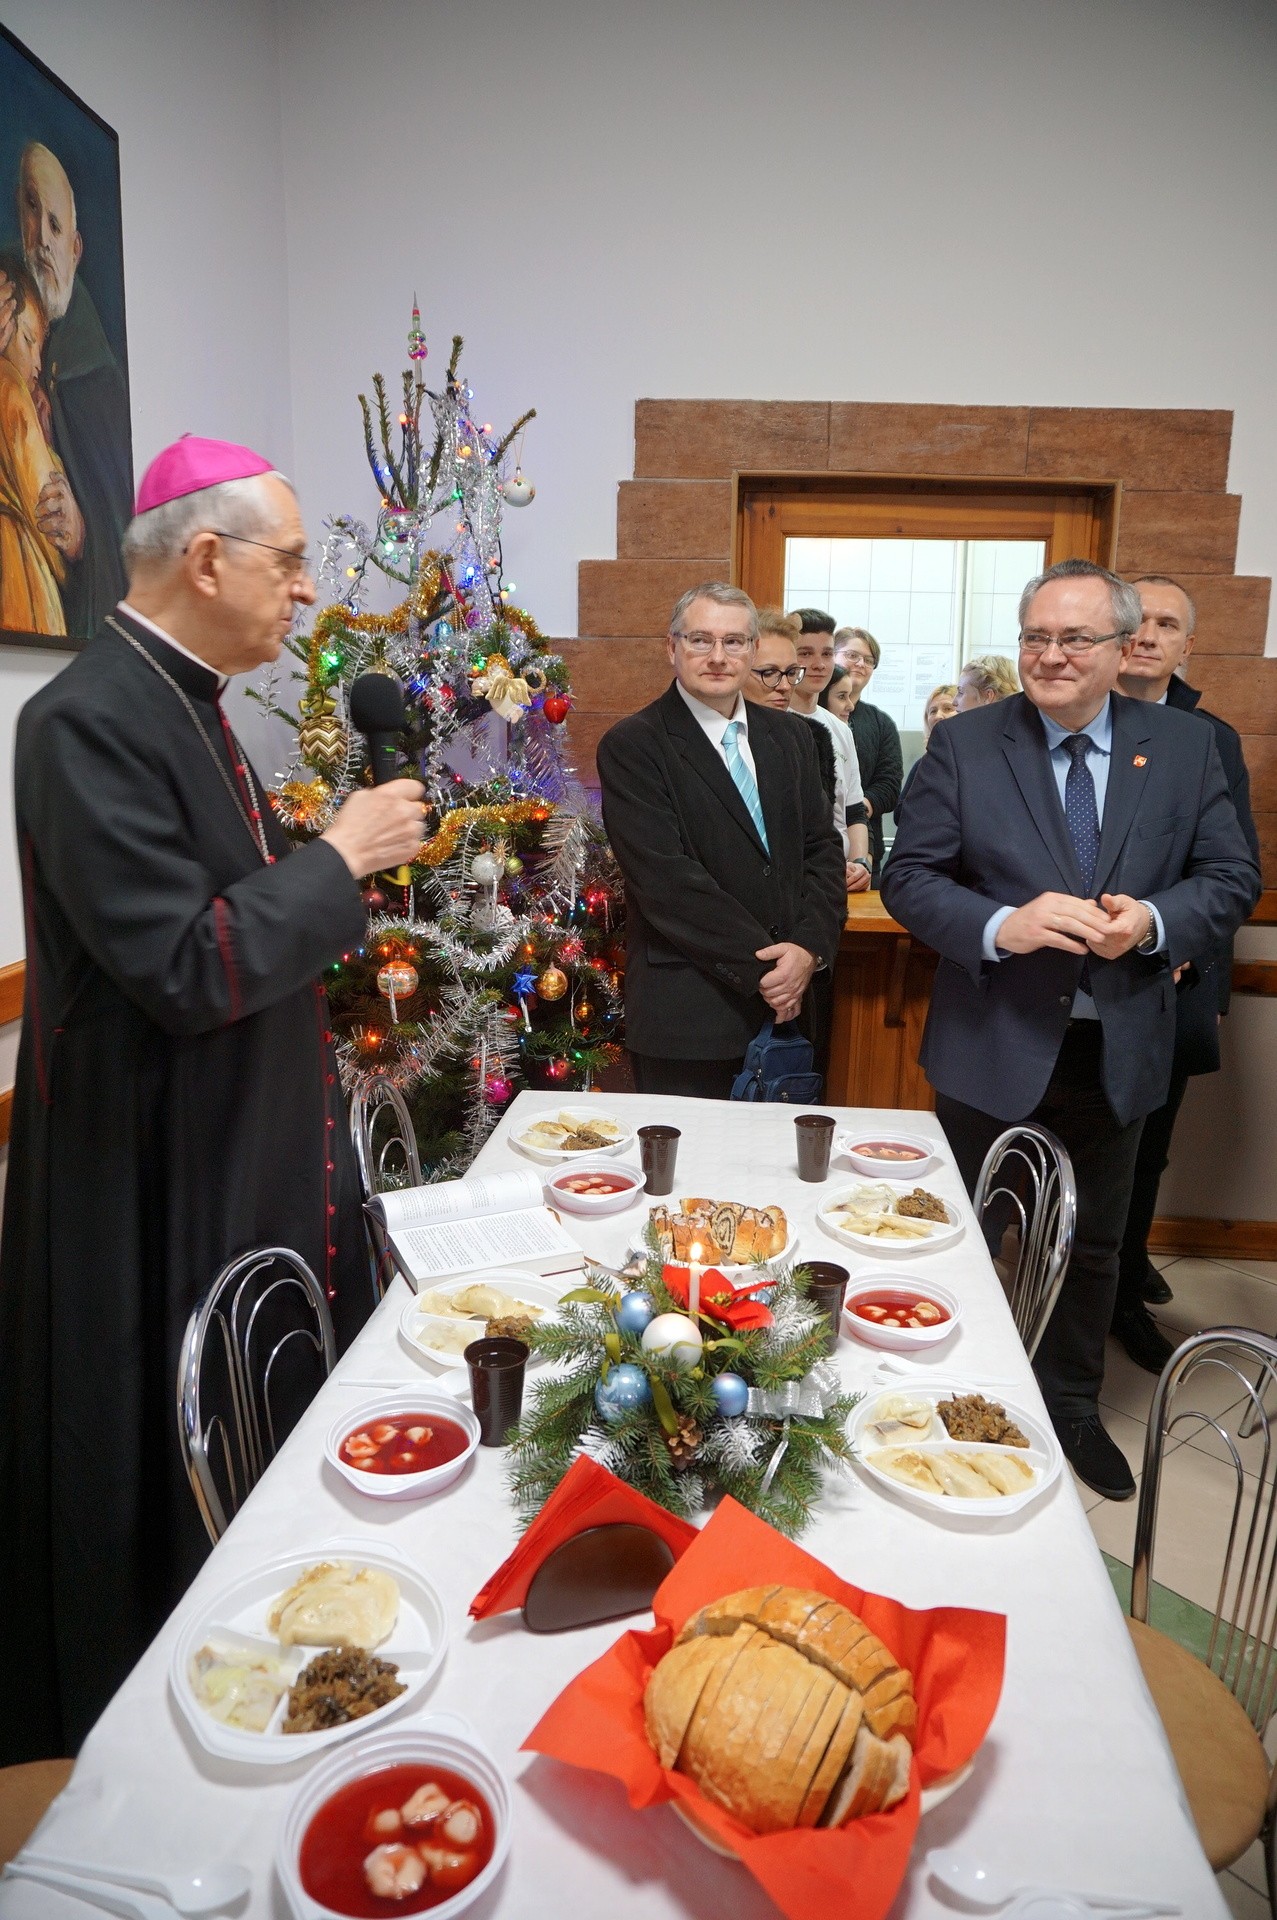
1198	1479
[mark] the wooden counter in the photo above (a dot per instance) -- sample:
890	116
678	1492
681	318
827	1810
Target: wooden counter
882	989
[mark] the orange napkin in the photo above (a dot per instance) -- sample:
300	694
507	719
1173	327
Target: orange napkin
587	1496
848	1873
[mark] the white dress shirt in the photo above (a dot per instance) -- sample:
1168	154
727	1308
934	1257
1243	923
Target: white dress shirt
714	725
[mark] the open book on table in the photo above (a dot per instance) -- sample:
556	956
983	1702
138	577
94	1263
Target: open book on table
461	1226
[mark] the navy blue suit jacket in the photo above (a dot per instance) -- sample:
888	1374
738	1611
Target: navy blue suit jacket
985	828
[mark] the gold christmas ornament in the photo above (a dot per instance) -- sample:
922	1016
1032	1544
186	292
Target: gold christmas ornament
552	984
322	736
507	693
397	978
304	804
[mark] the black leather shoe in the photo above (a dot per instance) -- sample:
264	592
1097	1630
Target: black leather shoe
1094	1457
1156	1291
1143	1339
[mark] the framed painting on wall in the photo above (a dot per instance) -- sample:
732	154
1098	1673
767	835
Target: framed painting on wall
66	455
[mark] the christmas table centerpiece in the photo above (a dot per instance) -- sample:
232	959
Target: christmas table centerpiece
687	1385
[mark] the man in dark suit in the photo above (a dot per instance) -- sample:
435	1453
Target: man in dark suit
734	884
1066	851
1164	641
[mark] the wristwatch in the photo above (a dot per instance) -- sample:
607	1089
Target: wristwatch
1149	943
860	860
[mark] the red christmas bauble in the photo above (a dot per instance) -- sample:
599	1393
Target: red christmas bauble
557	1069
555	708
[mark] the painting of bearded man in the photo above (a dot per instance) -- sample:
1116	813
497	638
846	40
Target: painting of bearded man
66	463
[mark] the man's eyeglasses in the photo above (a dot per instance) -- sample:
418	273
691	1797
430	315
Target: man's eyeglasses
771	676
1074	646
733	644
296	563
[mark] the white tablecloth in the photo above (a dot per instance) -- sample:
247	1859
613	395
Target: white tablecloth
1073	1786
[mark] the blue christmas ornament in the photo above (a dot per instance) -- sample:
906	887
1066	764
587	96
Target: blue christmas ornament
634	1312
731	1393
624	1389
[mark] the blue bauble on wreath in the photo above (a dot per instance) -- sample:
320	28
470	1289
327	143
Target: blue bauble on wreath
731	1393
634	1312
625	1389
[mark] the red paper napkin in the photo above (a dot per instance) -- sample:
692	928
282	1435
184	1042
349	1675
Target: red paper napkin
848	1873
587	1496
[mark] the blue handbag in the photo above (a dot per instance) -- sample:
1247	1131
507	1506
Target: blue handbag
779	1065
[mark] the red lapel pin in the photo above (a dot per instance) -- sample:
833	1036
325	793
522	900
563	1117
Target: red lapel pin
1140	760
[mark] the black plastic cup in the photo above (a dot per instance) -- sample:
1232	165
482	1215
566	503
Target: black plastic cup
496	1385
659	1149
826	1289
815	1135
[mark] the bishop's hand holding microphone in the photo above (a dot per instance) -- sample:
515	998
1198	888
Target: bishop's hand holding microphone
379	827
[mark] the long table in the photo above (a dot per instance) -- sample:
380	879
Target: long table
1074	1785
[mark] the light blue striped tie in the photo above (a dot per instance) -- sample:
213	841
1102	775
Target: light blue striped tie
746	785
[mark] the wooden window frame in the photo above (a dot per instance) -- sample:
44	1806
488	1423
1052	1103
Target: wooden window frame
1071	516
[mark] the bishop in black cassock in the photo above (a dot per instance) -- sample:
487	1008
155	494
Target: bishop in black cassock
177	1103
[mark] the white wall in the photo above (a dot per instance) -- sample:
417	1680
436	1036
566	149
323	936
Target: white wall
193	92
939	200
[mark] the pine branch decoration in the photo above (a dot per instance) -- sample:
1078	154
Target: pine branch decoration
694	1454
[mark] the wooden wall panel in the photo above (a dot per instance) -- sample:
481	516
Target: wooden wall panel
975	441
621	597
1165	532
1240	690
673	519
1160	448
1260	750
1232	610
712	439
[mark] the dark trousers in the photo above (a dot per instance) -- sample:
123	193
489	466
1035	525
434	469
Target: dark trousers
1150	1164
1069	1363
697	1079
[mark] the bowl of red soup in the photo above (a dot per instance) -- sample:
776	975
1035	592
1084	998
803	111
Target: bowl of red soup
410	1821
403	1446
888	1154
600	1187
883	1311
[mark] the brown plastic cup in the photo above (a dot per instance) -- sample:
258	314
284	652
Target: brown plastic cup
496	1385
826	1289
815	1133
659	1149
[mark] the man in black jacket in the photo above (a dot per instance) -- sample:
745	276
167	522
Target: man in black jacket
734	884
1164	641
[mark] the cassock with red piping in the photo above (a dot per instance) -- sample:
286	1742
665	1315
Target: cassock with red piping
176	1104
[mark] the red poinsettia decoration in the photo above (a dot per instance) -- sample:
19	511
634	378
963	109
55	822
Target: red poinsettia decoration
734	1306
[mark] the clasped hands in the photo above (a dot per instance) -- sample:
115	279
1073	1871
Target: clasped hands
1108	928
783	988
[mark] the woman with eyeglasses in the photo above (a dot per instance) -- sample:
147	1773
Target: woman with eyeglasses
875	733
772	680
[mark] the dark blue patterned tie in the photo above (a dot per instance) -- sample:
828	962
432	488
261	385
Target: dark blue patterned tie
1082	817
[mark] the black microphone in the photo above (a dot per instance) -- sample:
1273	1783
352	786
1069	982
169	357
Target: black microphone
377	711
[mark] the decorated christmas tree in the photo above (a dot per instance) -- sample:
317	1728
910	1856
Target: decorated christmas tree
496	959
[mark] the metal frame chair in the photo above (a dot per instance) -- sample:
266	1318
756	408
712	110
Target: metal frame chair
1242	1649
377	1171
241	1440
1047	1214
